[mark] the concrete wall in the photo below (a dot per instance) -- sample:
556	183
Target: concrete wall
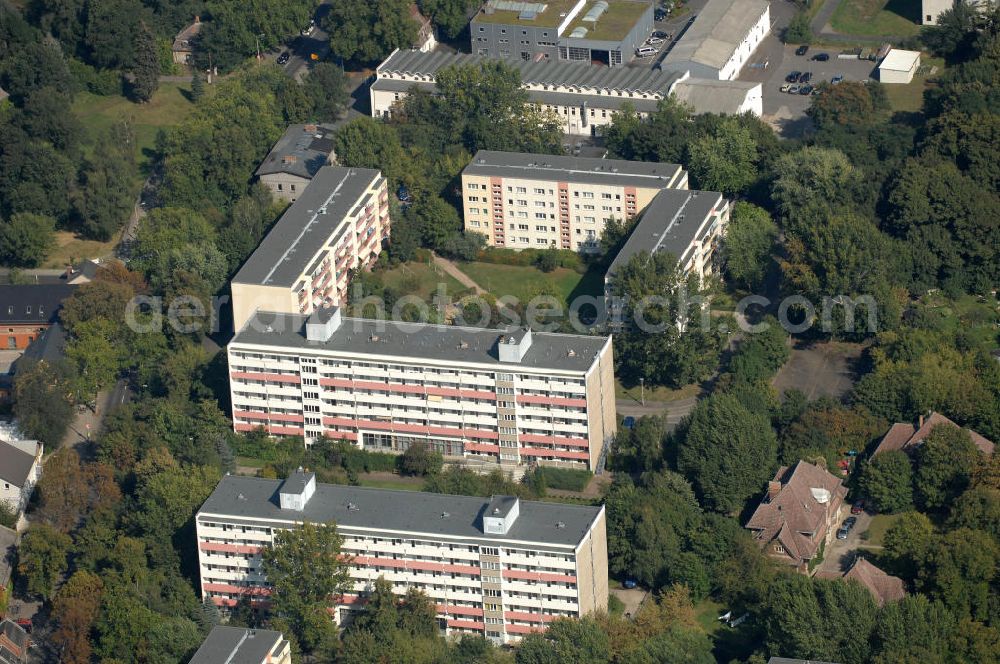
284	186
592	568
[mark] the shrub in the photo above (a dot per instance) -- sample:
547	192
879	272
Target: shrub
104	82
798	31
419	460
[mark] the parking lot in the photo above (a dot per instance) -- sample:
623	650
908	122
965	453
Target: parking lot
783	108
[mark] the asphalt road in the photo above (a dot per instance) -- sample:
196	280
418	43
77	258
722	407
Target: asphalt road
303	47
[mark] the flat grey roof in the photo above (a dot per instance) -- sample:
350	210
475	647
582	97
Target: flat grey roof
309	150
400	511
543	72
708	96
719	28
303	229
572	169
422	341
661	227
237	645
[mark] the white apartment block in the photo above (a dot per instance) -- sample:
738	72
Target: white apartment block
721	39
499	567
537	201
931	9
485	397
690	225
584	99
338	224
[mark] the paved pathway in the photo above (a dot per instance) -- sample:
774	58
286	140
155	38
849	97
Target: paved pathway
451	268
675	411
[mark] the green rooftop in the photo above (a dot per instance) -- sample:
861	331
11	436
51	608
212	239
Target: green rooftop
614	24
554	14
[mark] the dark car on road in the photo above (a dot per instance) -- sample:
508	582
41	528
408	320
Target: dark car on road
793	77
806	90
659	15
820	57
802	50
805	77
284	57
858	507
660	34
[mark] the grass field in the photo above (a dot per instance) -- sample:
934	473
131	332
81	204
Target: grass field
400	483
874	18
70	249
420	279
876	530
662	394
910	97
169	106
525	282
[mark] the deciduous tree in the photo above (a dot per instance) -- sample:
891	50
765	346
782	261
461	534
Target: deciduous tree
887	479
945	461
74	610
41	559
26	239
749	241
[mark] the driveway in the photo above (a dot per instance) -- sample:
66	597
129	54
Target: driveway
840	554
632	599
819	370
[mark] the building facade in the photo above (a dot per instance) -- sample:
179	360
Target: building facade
27	310
721	39
499	567
338	224
582	99
239	645
607	32
899	66
295	159
20	470
537	201
481	396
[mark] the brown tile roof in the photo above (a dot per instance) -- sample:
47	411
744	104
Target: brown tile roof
796	509
902	436
883	587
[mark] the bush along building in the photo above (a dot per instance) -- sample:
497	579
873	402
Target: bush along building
499	568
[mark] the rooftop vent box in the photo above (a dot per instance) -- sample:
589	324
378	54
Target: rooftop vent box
500	515
512	345
296	491
322	323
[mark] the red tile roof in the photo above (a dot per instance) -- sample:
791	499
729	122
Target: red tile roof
883	587
902	436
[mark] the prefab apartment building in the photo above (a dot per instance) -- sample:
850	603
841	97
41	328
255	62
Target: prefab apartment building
487	397
500	567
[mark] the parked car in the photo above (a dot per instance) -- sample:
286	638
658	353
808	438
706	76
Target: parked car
802	50
805	77
645	51
836	79
308	29
850	521
630	583
842	533
660	34
858	507
659	15
793	90
653	41
284	57
628	422
403	194
784	88
793	77
820	57
806	90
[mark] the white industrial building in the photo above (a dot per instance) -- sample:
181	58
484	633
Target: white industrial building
721	39
899	66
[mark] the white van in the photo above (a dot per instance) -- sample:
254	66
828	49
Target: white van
645	51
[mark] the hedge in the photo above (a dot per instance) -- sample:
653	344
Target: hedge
566	479
527	257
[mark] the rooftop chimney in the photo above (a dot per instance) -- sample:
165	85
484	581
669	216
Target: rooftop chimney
773	489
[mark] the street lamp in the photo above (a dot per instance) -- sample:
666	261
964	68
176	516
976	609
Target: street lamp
256	39
642	390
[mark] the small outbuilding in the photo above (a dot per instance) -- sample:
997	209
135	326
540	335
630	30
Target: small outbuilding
899	66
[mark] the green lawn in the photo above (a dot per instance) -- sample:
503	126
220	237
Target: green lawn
664	394
70	249
169	106
401	483
525	282
707	613
420	279
910	97
874	18
876	530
